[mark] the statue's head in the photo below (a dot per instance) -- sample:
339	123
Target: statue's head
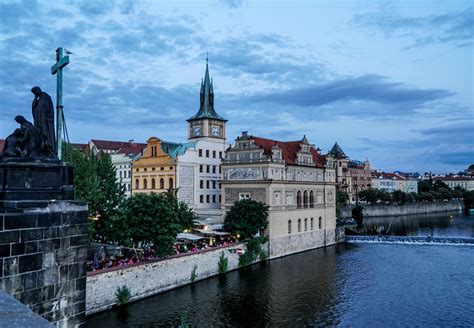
36	91
20	119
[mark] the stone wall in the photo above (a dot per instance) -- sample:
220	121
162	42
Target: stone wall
406	209
286	245
186	184
43	255
153	278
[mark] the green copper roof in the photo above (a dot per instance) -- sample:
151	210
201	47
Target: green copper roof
206	109
337	151
174	149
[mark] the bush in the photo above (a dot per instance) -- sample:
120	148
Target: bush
254	251
193	274
223	264
123	295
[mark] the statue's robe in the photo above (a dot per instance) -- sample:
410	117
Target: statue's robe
43	115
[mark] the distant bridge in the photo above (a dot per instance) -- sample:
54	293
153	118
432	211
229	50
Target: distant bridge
418	240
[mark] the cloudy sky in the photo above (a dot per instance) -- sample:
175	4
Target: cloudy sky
387	80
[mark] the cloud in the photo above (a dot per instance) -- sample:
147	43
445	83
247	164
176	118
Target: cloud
232	3
456	28
356	96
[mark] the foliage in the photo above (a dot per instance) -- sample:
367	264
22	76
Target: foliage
186	215
246	217
341	199
468	198
147	219
223	264
424	186
254	251
193	274
370	195
123	295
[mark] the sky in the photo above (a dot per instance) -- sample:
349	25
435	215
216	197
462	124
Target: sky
391	81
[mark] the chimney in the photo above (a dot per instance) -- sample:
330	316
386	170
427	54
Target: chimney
131	141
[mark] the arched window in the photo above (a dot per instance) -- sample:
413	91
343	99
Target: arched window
305	224
171	183
305	198
311	199
299	225
153	186
298	199
162	183
137	184
320	222
289	226
145	184
312	224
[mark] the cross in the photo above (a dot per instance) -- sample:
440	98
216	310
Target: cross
58	70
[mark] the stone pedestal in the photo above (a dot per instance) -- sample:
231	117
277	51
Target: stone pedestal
43	240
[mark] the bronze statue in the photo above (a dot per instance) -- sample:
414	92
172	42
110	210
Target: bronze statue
43	116
31	143
12	147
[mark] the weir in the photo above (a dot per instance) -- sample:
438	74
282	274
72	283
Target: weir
419	240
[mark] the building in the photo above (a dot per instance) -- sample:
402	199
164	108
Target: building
390	182
294	180
121	154
465	182
359	177
352	176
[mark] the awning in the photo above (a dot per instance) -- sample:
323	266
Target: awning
211	232
188	236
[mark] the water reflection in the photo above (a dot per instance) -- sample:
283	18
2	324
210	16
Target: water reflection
435	225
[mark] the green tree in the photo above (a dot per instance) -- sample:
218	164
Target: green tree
147	219
246	217
370	195
186	215
424	186
468	198
440	184
399	197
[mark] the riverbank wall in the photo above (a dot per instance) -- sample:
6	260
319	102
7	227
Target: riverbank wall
405	209
151	278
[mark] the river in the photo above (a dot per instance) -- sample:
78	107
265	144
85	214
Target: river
348	285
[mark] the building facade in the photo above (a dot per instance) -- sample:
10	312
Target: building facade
294	180
465	182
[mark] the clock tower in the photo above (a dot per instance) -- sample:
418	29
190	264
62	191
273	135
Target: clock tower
206	123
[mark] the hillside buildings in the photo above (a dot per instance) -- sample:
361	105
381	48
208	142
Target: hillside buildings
291	177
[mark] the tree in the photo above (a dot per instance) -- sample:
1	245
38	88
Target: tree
399	196
369	195
147	219
186	215
424	186
440	184
246	217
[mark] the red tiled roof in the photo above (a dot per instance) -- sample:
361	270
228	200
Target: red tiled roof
131	148
2	144
385	175
116	145
288	150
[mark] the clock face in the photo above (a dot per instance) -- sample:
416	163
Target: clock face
216	131
196	131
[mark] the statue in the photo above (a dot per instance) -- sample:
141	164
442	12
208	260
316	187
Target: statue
12	147
43	116
31	143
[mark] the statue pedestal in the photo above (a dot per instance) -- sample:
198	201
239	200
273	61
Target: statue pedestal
35	183
43	240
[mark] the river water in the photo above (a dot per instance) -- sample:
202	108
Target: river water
348	285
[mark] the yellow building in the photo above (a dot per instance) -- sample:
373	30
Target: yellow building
155	170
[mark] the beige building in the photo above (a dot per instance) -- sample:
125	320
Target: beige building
461	181
294	180
154	171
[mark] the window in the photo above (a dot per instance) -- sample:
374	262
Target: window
213	154
220	171
305	199
207	152
311	199
137	184
129	174
213	169
201	184
152	168
208	168
162	168
200	154
207	184
305	224
289	198
128	186
162	183
220	198
171	168
145	169
201	168
213	198
320	222
145	184
153	184
120	173
220	155
171	183
244	196
298	199
208	199
312	224
201	198
289	226
277	199
299	225
214	184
